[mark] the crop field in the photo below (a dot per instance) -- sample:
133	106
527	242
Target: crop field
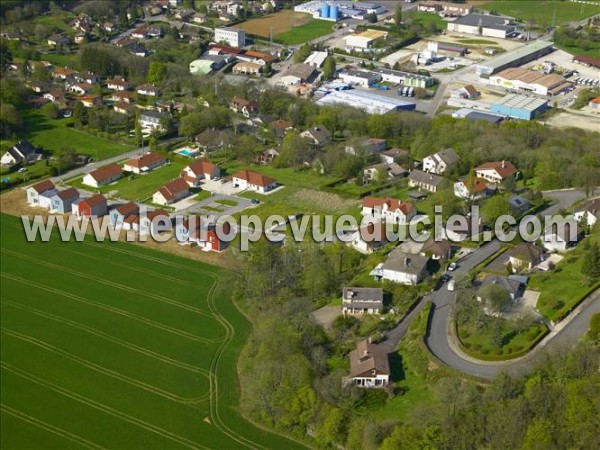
543	11
281	22
110	345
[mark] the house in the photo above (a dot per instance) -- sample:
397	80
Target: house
524	256
207	239
594	103
296	74
62	201
436	250
388	210
34	192
91	101
80	88
254	181
247	68
148	90
118	84
318	136
510	285
122	96
369	238
122	108
467	92
212	139
281	127
401	267
422	180
496	172
62	73
94	206
152	221
471	188
369	366
201	169
457	231
152	120
21	152
57	40
145	163
121	212
358	300
561	235
267	156
138	50
244	107
103	176
171	192
383	172
589	213
394	155
369	146
440	161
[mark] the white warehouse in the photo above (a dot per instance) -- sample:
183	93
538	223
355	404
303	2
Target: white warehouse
234	37
483	25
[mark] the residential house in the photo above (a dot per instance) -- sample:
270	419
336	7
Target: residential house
121	212
439	162
589	213
58	40
594	103
394	155
62	201
369	146
152	120
318	136
154	221
207	239
145	163
388	210
62	73
401	267
34	192
369	238
171	192
467	92
201	169
359	300
244	107
281	127
80	88
122	96
471	188
296	74
267	156
103	176
383	172
436	250
123	108
369	366
118	84
525	256
91	101
212	139
512	286
21	152
426	181
247	68
94	206
138	50
561	235
457	231
496	172
148	90
254	181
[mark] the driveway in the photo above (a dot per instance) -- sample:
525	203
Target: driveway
212	203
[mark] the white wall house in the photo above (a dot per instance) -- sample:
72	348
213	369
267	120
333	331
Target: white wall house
253	181
369	366
389	210
403	268
440	161
235	37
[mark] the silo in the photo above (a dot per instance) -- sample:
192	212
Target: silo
333	12
325	11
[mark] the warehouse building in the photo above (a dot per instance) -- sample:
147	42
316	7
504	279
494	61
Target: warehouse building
519	106
365	40
359	77
483	25
523	80
405	78
334	10
515	58
471	114
235	37
369	102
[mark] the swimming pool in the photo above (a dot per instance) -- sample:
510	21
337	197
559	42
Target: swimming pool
189	152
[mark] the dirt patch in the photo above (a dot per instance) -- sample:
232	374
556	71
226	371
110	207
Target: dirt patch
567	119
280	22
324	200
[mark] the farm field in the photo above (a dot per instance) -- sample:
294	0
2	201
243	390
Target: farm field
116	346
281	22
542	11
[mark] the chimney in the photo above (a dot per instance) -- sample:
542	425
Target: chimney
371	228
407	262
503	164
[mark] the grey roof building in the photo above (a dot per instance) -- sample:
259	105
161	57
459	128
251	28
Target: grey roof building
359	300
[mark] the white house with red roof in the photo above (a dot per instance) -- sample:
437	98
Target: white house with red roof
201	169
204	236
471	189
118	84
254	181
94	206
496	172
154	221
103	176
171	192
388	209
34	192
145	163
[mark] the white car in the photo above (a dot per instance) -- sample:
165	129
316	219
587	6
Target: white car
452	266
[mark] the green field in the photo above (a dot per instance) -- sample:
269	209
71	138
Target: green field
543	12
304	33
116	346
54	134
426	19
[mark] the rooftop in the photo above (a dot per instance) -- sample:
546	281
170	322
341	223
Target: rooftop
368	101
521	101
486	21
506	58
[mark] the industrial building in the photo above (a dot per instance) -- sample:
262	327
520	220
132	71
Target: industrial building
405	78
471	114
316	59
334	10
367	101
359	77
235	37
483	25
365	40
514	58
523	80
519	106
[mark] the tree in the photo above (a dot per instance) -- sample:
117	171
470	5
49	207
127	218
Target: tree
494	208
590	266
331	429
50	110
65	158
156	72
302	53
398	14
495	297
329	67
371	18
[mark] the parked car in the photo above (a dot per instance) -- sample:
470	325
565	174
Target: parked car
452	266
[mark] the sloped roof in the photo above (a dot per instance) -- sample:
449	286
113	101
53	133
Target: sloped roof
146	160
392	203
202	166
43	186
127	208
68	194
474	185
170	190
94	200
504	168
425	178
526	252
368	357
106	172
400	261
254	178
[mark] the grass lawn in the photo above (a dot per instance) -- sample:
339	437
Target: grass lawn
543	11
425	19
304	33
61	60
53	134
141	187
226	202
478	42
203	195
112	345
